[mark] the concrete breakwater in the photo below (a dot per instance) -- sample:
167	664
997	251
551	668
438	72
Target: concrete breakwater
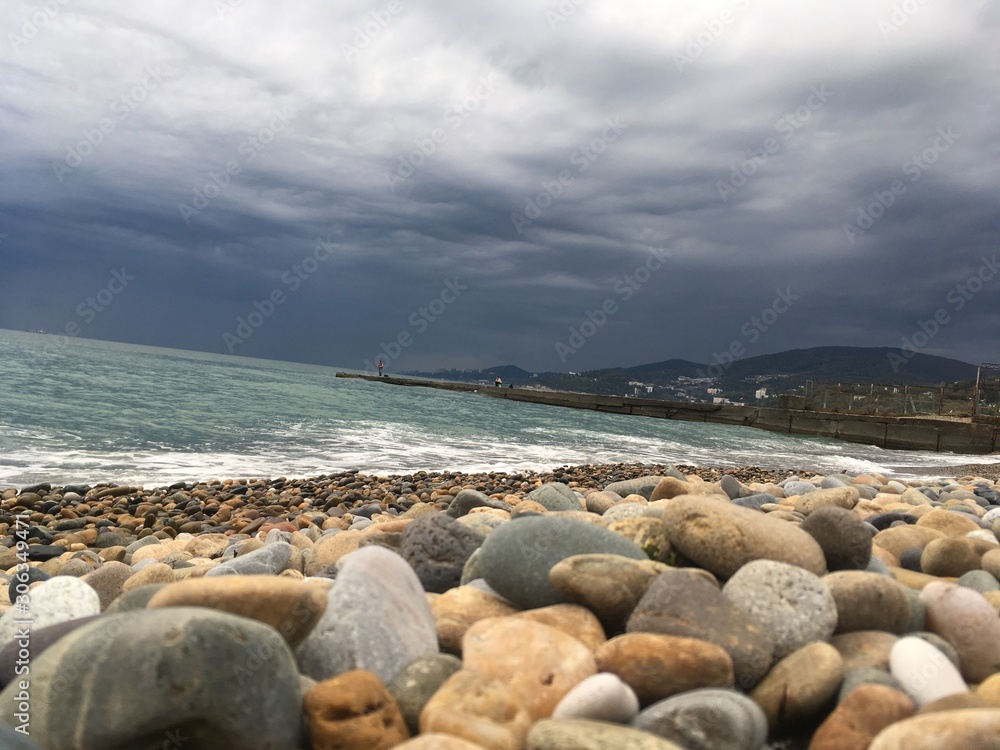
903	433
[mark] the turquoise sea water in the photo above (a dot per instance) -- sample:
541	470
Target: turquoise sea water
81	410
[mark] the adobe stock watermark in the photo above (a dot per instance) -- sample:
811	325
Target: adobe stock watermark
122	107
419	320
696	45
915	168
247	150
956	298
899	17
581	158
292	279
624	288
31	26
786	126
88	310
563	11
367	31
224	7
752	331
454	117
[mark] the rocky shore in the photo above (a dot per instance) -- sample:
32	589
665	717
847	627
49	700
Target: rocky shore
642	606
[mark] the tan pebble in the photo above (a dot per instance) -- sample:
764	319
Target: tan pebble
990	562
671	487
800	685
608	585
951	556
989	690
528	507
950	524
571	619
914	580
835	497
477	708
896	539
438	741
457	609
353	710
155	573
868	601
967	729
207	545
330	549
544	666
861	716
885	556
657	666
953	703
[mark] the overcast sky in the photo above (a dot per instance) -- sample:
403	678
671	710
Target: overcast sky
560	186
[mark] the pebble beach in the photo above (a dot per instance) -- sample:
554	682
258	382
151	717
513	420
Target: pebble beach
641	606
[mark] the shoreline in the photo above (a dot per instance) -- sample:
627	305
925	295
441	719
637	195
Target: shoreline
989	471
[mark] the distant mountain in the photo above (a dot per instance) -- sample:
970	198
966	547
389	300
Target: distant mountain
782	372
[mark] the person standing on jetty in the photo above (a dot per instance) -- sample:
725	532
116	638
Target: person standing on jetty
498	382
380	368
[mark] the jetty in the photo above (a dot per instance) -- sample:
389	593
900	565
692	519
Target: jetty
975	435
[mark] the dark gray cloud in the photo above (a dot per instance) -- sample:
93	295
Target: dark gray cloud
479	180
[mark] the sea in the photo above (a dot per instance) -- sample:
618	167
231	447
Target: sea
83	411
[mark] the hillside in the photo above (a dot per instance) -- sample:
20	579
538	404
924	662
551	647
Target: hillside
782	372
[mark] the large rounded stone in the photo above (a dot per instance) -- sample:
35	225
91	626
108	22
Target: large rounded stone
800	686
600	697
555	496
52	601
270	559
12	659
791	604
671	487
832	497
658	666
571	619
127	680
924	671
108	581
969	622
861	716
437	547
722	537
457	609
868	601
865	649
377	618
683	603
289	606
969	729
949	557
12	739
478	708
353	709
516	558
707	719
843	537
581	734
897	539
951	524
609	585
545	665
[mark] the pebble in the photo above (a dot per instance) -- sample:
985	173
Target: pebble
924	672
721	537
969	622
861	716
600	697
167	678
270	559
290	607
970	729
53	601
868	601
706	719
581	734
108	581
800	686
843	537
478	708
414	686
555	496
516	558
789	603
437	547
456	610
658	666
353	709
374	591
